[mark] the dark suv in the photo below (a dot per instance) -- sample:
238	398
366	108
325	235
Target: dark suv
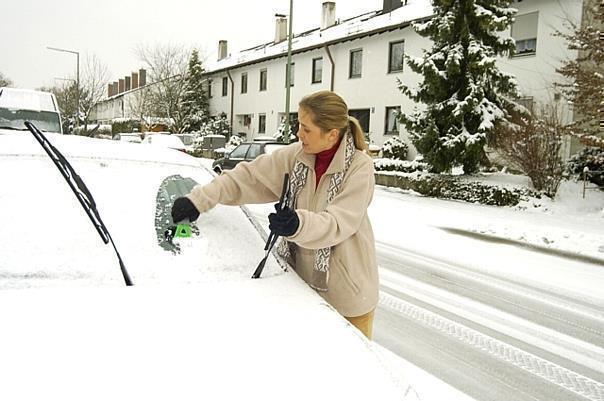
247	151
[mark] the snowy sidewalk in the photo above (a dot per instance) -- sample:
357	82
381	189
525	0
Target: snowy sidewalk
569	226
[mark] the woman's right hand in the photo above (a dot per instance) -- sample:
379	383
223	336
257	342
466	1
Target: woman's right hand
183	209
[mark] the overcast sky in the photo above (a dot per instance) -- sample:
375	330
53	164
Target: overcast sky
112	29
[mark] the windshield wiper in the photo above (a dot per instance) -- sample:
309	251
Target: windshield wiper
80	190
13	128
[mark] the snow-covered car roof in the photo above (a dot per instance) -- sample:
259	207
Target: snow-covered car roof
193	326
27	99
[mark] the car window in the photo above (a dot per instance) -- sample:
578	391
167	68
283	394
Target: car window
45	120
186	139
255	150
239	152
270	148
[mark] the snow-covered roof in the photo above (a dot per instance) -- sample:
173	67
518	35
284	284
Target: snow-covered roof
27	99
360	26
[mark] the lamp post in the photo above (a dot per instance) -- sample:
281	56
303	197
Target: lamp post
288	69
77	79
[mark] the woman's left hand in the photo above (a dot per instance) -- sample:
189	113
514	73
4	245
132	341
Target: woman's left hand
284	222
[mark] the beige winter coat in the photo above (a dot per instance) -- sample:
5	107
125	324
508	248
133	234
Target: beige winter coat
343	225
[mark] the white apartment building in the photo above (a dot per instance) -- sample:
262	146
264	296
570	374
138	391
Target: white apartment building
361	59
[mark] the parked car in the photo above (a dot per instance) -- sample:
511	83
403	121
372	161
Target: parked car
164	140
20	105
193	326
189	141
247	151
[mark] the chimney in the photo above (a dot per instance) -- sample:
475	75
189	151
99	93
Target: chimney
390	5
127	81
134	80
142	77
328	14
222	49
121	85
109	90
114	88
280	28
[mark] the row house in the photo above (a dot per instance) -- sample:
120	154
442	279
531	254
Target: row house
361	59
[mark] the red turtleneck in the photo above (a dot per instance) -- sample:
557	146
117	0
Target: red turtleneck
322	161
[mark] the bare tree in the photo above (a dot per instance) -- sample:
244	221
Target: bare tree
167	65
532	144
92	85
5	81
585	74
66	95
93	78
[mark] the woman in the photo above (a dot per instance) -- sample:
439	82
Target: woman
328	236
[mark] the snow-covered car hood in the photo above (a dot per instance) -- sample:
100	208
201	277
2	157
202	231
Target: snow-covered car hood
233	341
194	326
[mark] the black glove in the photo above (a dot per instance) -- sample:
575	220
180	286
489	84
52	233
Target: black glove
285	222
182	209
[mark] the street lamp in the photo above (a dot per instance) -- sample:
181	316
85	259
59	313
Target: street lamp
77	80
288	69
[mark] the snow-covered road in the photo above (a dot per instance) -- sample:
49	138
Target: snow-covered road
522	341
494	320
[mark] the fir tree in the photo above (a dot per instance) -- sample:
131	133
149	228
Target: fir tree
280	134
464	93
195	100
585	88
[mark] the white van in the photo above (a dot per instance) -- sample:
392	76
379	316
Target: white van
20	105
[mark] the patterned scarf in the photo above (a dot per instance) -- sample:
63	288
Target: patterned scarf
297	181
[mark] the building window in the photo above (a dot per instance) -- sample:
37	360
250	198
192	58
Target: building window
363	116
291	78
261	123
396	56
392	120
225	86
356	63
244	82
524	32
263	76
209	88
317	70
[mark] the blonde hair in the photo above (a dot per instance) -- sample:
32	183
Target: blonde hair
329	111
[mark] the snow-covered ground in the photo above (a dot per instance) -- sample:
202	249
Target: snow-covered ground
569	226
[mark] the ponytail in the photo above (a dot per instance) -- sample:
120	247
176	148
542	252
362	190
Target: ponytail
357	134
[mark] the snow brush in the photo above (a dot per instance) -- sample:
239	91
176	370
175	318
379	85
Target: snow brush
272	238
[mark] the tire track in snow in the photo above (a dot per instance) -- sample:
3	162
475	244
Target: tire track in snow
546	370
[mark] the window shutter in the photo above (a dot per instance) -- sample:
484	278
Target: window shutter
525	26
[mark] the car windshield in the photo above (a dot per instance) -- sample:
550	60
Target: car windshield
15	119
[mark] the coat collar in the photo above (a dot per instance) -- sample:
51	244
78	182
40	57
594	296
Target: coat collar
337	163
